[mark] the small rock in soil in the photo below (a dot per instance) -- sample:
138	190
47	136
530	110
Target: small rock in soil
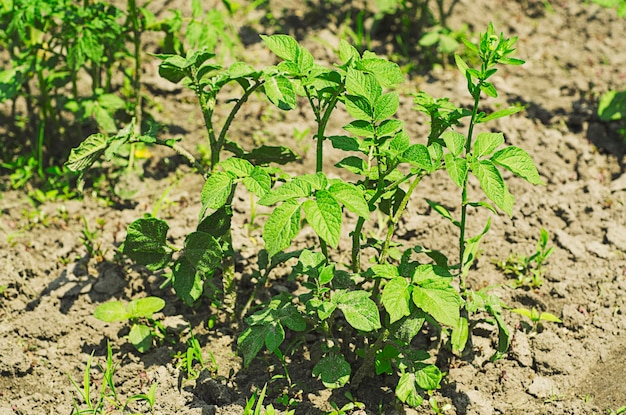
572	318
479	403
520	351
570	243
543	387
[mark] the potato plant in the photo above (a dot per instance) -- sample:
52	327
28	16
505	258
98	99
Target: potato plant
367	312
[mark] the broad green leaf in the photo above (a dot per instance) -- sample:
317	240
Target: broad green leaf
428	377
187	283
90	150
111	312
386	271
347	52
281	227
274	336
429	272
359	107
612	105
354	165
384	358
305	60
519	162
283	46
418	156
502	113
140	337
238	167
363	85
395	299
455	142
216	191
407	392
292	318
443	211
217	223
358	309
146	243
174	68
324	216
493	184
489	89
410	326
351	197
345	143
318	181
251	342
486	143
460	63
360	128
389	127
240	70
386	106
259	182
144	307
388	74
327	274
280	91
460	336
398	144
456	168
294	189
333	370
440	300
203	252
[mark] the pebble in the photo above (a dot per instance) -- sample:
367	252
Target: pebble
543	387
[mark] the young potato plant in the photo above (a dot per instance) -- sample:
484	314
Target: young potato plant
144	329
367	311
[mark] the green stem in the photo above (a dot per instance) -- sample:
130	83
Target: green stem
367	368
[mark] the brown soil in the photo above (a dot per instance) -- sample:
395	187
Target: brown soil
574	52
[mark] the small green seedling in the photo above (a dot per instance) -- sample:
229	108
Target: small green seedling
137	311
192	355
347	408
528	270
95	405
258	398
536	317
621	410
434	405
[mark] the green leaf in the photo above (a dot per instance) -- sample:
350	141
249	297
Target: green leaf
363	85
216	191
388	74
187	283
457	169
493	184
218	223
174	68
259	182
389	127
359	310
345	143
274	336
238	167
395	298
455	142
486	143
140	336
428	377
407	392
359	107
410	326
271	154
251	342
502	113
352	197
324	216
281	227
292	318
90	150
294	189
283	46
354	165
386	106
144	307
440	300
318	181
418	156
360	128
519	162
460	336
489	89
203	252
111	312
384	358
612	105
146	243
347	52
443	211
333	370
280	91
